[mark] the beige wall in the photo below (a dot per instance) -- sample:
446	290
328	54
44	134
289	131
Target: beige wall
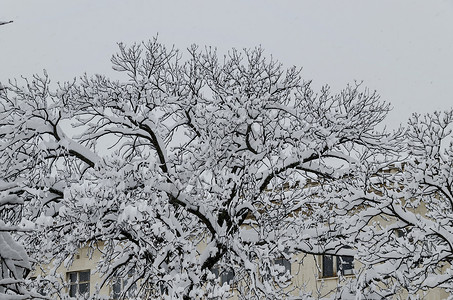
82	262
304	268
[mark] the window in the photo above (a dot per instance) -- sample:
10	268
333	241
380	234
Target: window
284	263
120	284
331	265
400	232
404	233
345	265
281	266
79	283
226	276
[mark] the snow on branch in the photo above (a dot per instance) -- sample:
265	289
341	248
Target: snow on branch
194	163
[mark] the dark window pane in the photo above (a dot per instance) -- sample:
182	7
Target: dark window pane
116	287
285	263
72	290
72	277
346	264
327	266
227	276
399	232
84	288
84	276
215	271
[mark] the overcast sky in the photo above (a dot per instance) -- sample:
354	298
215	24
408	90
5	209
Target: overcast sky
402	49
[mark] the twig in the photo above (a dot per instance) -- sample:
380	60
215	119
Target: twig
4	23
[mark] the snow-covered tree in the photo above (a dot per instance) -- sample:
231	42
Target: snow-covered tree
414	249
14	262
192	166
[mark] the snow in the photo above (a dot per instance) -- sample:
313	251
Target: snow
232	177
13	254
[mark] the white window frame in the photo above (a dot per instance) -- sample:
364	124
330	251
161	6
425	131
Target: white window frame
77	283
335	266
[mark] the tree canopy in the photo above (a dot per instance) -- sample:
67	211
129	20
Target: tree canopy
193	164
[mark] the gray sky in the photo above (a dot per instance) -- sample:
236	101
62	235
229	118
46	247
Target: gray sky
402	49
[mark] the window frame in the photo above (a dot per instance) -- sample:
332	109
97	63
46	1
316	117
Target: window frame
123	282
284	262
345	260
337	262
225	275
77	283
